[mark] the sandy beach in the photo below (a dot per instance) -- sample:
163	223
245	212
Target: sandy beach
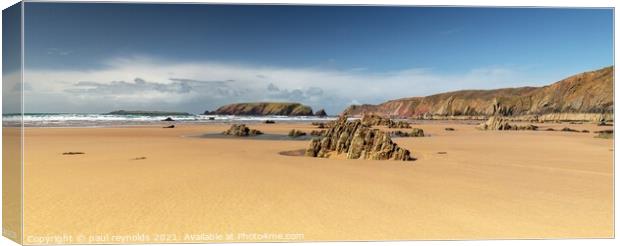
488	185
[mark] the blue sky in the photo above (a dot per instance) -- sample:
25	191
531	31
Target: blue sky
197	57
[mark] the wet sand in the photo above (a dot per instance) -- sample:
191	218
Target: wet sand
170	186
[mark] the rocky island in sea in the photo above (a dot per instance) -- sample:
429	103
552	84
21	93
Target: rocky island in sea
264	108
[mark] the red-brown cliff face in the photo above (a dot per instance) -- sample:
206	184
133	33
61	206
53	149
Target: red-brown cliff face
589	92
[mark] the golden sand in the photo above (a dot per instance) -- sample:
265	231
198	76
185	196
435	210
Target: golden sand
488	185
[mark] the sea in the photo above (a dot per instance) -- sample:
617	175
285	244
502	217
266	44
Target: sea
110	120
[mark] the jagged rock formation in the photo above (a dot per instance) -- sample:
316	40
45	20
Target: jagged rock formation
240	130
356	141
415	132
320	113
376	120
321	125
502	124
587	96
318	132
496	123
265	108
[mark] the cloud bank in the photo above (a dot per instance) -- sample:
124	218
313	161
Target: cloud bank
156	84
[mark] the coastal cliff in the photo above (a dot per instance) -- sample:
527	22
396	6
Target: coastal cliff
586	96
264	108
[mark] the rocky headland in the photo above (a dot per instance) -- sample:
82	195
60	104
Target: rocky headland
583	97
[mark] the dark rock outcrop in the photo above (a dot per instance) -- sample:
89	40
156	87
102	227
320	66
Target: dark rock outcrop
318	132
606	134
399	124
296	133
73	153
566	129
321	125
168	119
376	120
265	108
269	122
496	123
356	141
605	131
415	132
170	126
240	130
320	113
602	122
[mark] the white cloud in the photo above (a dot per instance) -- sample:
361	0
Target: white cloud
11	92
148	83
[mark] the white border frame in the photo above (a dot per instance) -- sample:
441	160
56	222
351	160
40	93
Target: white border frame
477	3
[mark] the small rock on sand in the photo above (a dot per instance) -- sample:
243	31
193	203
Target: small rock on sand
73	153
566	129
606	134
296	133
